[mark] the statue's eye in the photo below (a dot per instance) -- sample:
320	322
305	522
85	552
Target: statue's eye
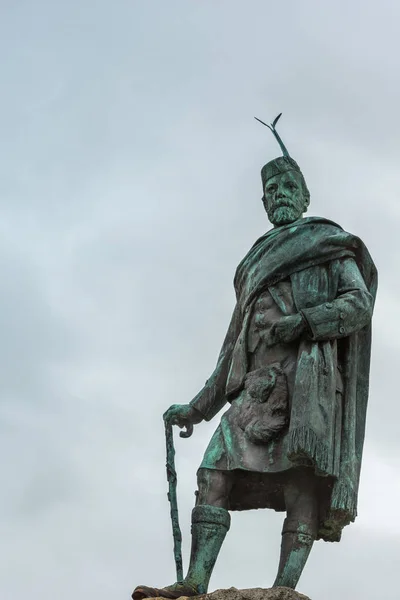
271	188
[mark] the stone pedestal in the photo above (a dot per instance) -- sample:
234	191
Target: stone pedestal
278	593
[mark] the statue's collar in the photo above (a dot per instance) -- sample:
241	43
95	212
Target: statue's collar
301	222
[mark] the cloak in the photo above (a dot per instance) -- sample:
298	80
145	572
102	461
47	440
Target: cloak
310	253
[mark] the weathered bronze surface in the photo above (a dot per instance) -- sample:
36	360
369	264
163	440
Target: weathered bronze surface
294	368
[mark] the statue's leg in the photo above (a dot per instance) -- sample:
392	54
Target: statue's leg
300	526
214	487
210	524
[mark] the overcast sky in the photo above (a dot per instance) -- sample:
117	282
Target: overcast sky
129	192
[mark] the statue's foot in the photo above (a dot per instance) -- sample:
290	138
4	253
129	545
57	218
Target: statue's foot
174	591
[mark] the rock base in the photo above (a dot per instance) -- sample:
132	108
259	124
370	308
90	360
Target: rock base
278	593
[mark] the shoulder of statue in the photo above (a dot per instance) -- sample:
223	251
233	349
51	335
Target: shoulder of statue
304	222
320	221
350	239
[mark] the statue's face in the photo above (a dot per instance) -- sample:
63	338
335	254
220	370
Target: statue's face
284	198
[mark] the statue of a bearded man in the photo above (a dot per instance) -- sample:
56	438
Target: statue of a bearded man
294	370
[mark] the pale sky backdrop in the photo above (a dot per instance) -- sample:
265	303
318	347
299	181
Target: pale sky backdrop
130	190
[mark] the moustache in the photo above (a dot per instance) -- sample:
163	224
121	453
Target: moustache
283	202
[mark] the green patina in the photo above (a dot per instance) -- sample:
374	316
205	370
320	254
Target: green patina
294	368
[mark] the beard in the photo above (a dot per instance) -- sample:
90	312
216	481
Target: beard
282	215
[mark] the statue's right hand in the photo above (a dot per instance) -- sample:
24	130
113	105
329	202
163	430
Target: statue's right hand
183	415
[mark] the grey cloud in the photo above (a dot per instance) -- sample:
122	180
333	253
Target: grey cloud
130	190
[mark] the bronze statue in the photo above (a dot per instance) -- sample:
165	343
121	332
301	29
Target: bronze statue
294	368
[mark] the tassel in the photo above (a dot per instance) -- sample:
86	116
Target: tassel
303	441
344	499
